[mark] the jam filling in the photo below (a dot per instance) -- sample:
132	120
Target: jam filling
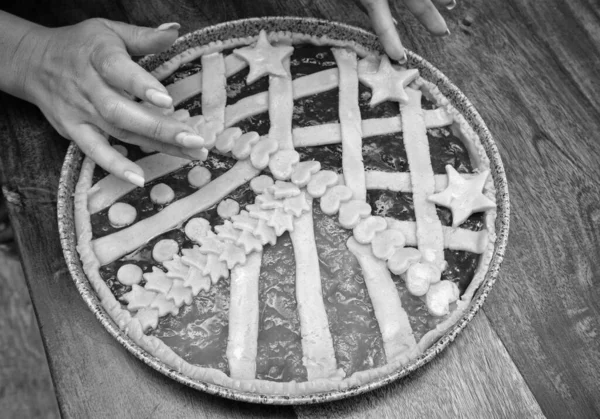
199	332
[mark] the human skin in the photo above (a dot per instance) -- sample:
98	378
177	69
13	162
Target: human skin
84	81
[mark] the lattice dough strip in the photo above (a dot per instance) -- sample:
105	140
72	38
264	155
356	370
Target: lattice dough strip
394	325
214	98
242	342
400	181
350	123
110	248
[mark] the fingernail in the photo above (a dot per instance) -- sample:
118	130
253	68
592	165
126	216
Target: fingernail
395	21
404	58
452	5
189	140
134	178
169	26
447	32
197	154
159	98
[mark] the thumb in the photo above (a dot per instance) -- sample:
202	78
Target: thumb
142	40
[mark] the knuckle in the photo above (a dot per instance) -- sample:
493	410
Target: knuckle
158	130
111	110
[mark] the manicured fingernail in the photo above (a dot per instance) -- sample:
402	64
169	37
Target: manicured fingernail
158	98
404	58
169	26
134	178
447	32
197	154
452	5
189	140
395	21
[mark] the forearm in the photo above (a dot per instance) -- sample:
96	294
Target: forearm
20	48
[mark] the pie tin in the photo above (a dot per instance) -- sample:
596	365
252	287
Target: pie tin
317	27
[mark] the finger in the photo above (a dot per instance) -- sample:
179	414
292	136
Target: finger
116	67
383	23
94	144
131	138
428	15
141	40
125	114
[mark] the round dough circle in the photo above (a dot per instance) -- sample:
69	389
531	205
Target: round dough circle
121	214
129	274
162	194
198	176
197	228
228	208
165	250
260	183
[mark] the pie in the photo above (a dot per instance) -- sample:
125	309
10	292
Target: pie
339	222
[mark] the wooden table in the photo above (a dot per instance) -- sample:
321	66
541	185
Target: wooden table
532	69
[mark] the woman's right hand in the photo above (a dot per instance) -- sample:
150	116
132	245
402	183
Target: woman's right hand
83	79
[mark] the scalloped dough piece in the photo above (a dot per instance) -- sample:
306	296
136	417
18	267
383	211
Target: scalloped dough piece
282	163
352	212
386	243
367	228
402	259
121	215
260	183
334	197
303	171
227	208
129	274
320	181
199	176
165	250
162	194
197	228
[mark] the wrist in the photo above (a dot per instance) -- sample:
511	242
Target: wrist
28	62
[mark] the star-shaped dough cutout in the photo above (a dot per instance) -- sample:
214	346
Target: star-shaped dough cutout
463	196
388	83
264	58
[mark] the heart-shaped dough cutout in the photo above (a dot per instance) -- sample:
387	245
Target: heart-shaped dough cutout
243	146
334	197
320	181
420	276
282	163
386	243
262	151
352	212
304	171
366	229
401	259
227	139
260	183
440	296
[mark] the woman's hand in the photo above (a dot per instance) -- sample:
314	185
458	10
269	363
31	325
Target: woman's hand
84	81
424	10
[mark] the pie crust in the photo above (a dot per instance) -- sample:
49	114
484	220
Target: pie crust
383	246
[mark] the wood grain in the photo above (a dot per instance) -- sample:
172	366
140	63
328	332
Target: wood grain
25	386
474	378
531	70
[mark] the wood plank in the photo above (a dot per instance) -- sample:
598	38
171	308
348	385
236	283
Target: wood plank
538	94
473	378
26	389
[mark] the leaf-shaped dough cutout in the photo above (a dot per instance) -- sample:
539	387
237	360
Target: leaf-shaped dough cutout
296	205
138	298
